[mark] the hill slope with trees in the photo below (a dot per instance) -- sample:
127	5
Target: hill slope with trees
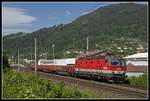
118	28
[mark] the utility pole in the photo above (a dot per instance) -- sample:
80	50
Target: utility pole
31	55
35	58
53	53
18	60
23	60
13	60
46	55
87	40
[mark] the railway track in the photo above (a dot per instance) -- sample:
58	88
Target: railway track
117	90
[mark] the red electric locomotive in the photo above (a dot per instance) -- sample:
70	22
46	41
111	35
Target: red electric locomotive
102	65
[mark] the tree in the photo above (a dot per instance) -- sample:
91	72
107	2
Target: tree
5	62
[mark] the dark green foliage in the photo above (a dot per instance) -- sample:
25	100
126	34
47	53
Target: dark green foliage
5	62
103	26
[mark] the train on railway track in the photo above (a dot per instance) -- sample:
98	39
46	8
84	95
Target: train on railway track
100	65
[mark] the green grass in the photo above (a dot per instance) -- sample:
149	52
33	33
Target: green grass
22	85
140	81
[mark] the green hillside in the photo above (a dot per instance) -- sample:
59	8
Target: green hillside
119	28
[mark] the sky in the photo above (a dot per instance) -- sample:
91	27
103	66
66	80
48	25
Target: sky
31	16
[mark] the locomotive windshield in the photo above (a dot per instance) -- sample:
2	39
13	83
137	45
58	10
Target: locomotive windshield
123	62
118	62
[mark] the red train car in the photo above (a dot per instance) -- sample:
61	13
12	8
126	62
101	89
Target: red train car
101	65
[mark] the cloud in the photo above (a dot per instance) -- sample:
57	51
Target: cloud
67	12
15	18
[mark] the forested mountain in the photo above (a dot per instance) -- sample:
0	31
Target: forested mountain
118	28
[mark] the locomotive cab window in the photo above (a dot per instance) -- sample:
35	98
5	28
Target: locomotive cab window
115	61
118	62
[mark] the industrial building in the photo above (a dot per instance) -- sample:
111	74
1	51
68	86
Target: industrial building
137	64
140	59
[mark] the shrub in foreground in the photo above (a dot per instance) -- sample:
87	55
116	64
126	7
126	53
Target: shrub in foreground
21	85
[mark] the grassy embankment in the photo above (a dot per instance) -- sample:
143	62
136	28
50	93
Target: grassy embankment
21	85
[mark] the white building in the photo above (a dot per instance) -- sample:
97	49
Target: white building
138	59
137	64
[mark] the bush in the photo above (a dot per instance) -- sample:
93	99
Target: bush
20	85
140	81
5	62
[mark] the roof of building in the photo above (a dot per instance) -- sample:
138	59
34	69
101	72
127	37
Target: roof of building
139	55
93	53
